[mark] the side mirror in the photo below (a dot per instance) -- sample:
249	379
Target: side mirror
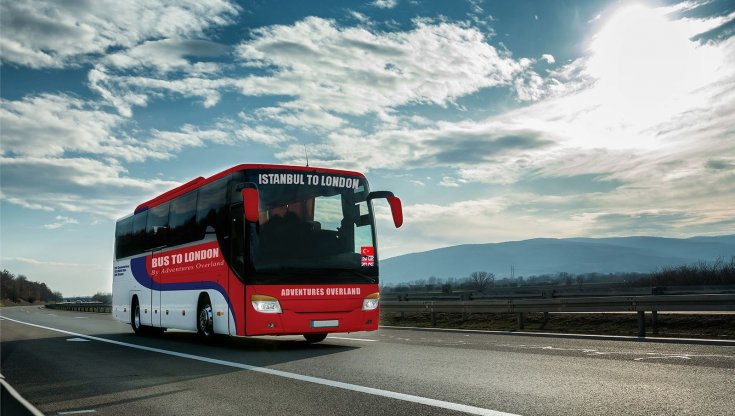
396	209
251	203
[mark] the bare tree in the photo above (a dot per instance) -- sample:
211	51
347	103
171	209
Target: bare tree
481	280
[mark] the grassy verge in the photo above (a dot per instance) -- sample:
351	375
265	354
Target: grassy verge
8	302
669	325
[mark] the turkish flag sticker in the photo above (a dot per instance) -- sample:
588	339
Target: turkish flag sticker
367	251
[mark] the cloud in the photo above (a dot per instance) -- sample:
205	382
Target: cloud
385	4
60	222
51	124
648	116
357	70
168	55
444	144
548	58
36	262
50	34
126	91
79	185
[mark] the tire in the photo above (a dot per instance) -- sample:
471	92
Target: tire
205	319
135	321
313	338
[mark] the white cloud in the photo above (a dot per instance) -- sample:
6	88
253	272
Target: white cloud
650	107
385	4
449	182
549	58
49	125
354	70
36	262
75	184
168	55
444	144
60	222
44	34
126	91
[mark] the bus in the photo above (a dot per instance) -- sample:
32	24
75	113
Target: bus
253	250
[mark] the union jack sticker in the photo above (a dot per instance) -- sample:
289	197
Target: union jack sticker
367	261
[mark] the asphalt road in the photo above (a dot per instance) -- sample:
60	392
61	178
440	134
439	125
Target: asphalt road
110	371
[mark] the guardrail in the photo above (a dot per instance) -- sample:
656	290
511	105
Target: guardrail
81	307
527	292
640	304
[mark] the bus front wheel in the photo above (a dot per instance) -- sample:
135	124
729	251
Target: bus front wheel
312	338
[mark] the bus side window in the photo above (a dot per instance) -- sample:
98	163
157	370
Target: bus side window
211	207
123	237
157	228
138	241
182	220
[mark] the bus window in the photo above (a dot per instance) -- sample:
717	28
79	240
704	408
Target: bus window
157	227
138	243
123	237
182	219
211	206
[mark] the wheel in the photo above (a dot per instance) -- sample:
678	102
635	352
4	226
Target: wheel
135	318
312	338
204	319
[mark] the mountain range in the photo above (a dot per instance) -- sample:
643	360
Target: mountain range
550	255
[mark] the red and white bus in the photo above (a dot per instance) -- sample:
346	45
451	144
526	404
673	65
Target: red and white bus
253	250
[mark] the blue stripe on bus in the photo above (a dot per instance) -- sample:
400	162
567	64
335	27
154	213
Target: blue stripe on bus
140	272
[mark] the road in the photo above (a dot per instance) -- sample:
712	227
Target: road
72	362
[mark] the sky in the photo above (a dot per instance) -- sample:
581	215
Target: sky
493	121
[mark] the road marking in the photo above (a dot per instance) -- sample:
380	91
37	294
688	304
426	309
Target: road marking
355	339
6	387
81	317
76	412
78	340
565	335
293	376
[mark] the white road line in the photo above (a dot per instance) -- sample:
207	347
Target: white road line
565	335
294	376
354	339
76	412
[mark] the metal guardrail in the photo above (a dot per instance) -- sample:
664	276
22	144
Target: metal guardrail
527	292
80	307
640	304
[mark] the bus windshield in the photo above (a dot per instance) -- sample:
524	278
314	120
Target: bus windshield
312	226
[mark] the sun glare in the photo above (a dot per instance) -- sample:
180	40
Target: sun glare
647	70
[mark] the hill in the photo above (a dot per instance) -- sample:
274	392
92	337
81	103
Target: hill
548	256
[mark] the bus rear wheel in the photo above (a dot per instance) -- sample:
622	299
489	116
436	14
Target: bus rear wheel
205	319
135	321
313	338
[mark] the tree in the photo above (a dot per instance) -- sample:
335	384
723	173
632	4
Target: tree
481	280
105	298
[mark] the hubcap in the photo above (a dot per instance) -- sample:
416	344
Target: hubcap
205	319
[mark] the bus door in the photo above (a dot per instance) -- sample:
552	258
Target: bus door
156	319
237	253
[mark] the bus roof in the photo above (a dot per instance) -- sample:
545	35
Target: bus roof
201	181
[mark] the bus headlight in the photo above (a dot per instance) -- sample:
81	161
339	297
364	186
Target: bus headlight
265	304
371	302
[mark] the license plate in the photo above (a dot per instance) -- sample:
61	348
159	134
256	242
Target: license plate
325	324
